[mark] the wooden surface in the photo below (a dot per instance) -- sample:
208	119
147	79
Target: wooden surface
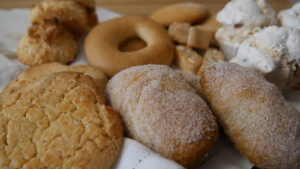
143	7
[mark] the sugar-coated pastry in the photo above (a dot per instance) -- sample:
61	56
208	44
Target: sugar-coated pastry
263	126
46	42
190	12
102	44
274	52
212	55
290	17
247	13
68	13
163	111
59	123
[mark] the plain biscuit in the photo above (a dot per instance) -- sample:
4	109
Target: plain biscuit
59	123
190	12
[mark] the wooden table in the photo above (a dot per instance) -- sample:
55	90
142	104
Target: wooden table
143	7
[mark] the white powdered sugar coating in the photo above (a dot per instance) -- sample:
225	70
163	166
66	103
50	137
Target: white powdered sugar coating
272	50
247	13
256	117
160	108
230	39
290	17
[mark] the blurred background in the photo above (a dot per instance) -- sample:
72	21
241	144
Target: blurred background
144	7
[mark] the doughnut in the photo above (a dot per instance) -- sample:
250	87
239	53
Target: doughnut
132	44
263	126
46	42
190	12
163	111
26	77
101	45
68	13
60	123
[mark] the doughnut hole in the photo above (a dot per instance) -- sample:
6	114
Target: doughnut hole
132	44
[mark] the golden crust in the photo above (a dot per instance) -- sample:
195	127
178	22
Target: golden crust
68	13
163	111
24	79
46	42
182	12
101	45
59	124
259	121
187	59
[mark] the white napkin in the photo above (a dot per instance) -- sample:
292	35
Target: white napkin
14	23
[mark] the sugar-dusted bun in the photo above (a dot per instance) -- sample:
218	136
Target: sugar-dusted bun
163	111
259	121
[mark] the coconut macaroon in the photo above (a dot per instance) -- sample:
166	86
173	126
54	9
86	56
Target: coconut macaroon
274	52
45	43
247	13
290	17
230	39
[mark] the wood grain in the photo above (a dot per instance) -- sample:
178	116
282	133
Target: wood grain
142	7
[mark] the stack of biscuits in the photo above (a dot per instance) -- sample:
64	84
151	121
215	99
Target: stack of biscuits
56	24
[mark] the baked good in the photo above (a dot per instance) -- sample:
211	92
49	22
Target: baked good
163	111
190	12
274	52
238	13
25	78
230	39
132	44
290	17
263	126
200	36
179	31
59	123
187	59
215	25
101	45
68	13
212	55
46	42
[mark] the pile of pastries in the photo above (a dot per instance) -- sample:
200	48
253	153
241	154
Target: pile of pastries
169	81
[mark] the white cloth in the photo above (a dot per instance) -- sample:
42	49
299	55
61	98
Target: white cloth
13	24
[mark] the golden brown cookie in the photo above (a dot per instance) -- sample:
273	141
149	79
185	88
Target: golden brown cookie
200	36
46	42
70	14
190	12
187	59
254	114
179	31
163	111
37	72
60	123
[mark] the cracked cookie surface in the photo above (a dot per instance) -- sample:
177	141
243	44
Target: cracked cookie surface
59	122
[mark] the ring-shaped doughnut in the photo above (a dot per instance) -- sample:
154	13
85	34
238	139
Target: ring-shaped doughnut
102	44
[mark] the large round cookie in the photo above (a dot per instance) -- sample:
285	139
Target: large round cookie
39	71
59	123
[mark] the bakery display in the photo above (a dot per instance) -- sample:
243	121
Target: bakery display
290	17
190	12
163	111
101	45
47	42
60	122
254	114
